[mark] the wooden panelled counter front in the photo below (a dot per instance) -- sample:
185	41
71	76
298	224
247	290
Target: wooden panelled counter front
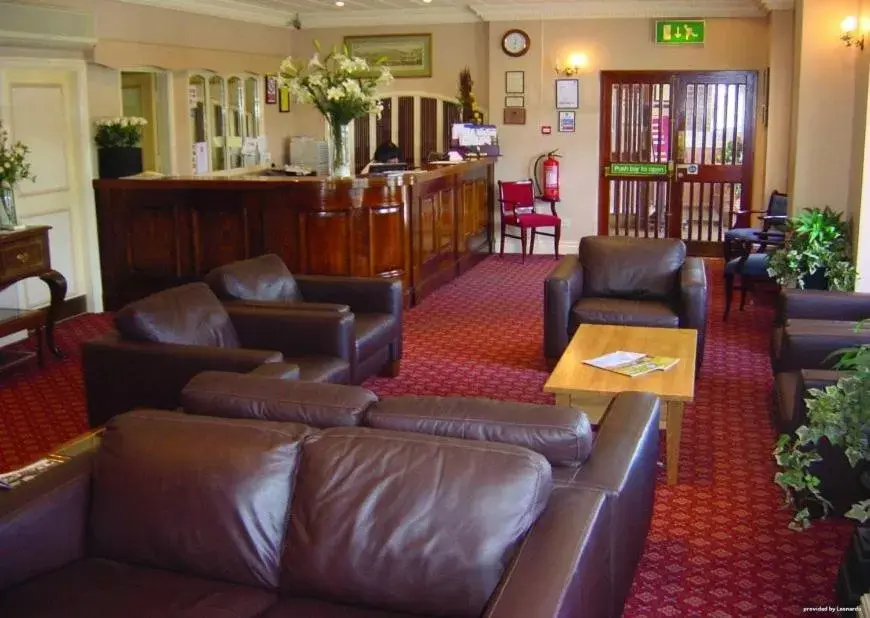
425	228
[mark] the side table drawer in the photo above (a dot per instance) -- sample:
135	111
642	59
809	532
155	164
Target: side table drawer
24	256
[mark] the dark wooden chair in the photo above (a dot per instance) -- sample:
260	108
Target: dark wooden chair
747	257
517	199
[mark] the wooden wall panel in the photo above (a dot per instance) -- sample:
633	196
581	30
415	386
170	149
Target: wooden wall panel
362	150
428	127
152	240
446	219
388	257
328	246
384	125
281	233
428	210
451	116
406	130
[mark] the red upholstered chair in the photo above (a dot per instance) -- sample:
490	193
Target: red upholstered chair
517	199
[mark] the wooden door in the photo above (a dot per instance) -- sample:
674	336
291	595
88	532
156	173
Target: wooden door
713	154
676	154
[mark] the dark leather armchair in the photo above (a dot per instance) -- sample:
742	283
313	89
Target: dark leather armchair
375	305
811	324
162	341
624	281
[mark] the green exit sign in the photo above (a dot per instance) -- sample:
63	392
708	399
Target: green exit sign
681	32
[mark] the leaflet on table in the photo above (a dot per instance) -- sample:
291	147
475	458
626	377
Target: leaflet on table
632	364
14	478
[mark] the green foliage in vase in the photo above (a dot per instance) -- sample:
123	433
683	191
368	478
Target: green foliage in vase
342	87
838	415
119	132
467	99
14	166
816	239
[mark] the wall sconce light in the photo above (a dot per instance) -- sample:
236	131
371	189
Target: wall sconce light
851	37
576	64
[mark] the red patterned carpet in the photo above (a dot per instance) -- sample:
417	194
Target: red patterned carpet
719	544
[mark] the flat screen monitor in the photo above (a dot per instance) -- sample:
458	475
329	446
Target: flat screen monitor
383	168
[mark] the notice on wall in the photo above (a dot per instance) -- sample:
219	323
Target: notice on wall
200	158
249	146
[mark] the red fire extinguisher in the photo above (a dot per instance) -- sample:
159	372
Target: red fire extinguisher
550	175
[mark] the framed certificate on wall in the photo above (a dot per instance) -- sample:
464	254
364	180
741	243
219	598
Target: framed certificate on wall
567	93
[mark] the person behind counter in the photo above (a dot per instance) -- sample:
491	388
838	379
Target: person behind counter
386	152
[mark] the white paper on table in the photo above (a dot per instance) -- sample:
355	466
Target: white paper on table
249	146
200	158
614	359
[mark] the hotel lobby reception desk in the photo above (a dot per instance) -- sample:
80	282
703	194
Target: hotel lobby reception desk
425	228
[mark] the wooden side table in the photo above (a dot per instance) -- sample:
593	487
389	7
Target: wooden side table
24	254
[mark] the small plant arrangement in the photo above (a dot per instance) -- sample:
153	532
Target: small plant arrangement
840	415
816	239
119	132
14	166
470	111
342	87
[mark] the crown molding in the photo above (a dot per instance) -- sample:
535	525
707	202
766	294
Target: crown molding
777	5
241	10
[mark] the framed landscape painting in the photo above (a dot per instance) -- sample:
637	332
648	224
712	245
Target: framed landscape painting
406	55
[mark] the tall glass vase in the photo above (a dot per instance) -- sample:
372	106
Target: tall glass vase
339	151
8	216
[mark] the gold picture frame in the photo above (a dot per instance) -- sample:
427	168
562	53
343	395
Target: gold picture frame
283	99
406	55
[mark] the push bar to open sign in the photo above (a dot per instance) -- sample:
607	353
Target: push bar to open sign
638	169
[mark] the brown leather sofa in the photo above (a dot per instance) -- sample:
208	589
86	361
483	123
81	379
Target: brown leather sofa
242	518
810	325
624	281
162	341
376	305
620	459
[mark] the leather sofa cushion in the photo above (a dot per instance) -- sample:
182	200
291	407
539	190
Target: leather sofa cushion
561	434
298	607
373	331
216	510
261	278
404	522
622	312
321	368
216	393
631	267
95	587
189	314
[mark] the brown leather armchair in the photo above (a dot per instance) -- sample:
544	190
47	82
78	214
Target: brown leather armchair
624	281
375	305
812	324
162	341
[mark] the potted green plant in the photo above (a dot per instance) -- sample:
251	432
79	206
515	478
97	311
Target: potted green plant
816	253
14	167
838	424
118	139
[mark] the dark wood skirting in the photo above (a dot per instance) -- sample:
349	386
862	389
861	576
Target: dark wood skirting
424	229
72	307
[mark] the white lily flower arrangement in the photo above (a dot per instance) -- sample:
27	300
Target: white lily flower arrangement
342	87
119	132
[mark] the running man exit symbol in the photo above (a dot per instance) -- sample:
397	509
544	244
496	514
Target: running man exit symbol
680	32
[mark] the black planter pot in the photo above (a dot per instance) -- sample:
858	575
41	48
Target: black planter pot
853	578
817	281
118	162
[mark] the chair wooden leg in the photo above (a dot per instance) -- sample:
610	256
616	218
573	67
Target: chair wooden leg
523	241
556	240
729	293
501	252
532	243
744	288
391	369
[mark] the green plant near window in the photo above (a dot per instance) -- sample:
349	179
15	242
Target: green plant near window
120	132
839	415
816	239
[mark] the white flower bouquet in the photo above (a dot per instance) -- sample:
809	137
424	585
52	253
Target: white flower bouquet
340	86
14	166
119	132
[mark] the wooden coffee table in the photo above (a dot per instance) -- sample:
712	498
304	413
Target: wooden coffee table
591	389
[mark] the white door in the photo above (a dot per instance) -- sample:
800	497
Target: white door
41	107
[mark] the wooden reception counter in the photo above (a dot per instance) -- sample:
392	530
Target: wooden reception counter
424	227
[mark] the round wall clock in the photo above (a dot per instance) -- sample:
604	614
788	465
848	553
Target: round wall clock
515	43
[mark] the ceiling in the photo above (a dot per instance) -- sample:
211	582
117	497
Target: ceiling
325	13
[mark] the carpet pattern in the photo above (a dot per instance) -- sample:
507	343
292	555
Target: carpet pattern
719	544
